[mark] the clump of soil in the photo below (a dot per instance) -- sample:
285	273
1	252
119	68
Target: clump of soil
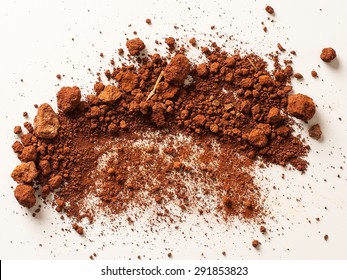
328	54
270	10
25	195
255	243
177	70
301	106
165	135
68	98
315	131
135	46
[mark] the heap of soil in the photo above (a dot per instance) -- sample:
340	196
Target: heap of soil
165	135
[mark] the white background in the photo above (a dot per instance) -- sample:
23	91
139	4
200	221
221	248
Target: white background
36	44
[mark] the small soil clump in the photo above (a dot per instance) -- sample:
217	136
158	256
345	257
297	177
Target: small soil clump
25	195
255	243
177	70
25	172
270	10
17	129
78	229
315	131
262	229
68	98
328	54
301	106
135	46
280	47
46	122
298	76
193	42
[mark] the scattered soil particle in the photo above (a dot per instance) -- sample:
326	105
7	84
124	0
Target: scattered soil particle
326	237
280	47
17	129
170	41
262	229
148	21
270	10
193	42
328	54
314	74
315	131
255	243
298	76
78	228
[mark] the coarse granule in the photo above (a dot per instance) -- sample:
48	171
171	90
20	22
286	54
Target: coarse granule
193	42
25	195
17	129
255	243
134	46
262	229
301	106
314	74
170	41
328	54
298	76
280	47
68	98
315	131
270	10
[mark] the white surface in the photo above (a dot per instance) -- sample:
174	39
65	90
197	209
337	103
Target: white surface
36	44
272	270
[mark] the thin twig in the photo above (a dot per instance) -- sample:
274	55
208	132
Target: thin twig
251	62
155	86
